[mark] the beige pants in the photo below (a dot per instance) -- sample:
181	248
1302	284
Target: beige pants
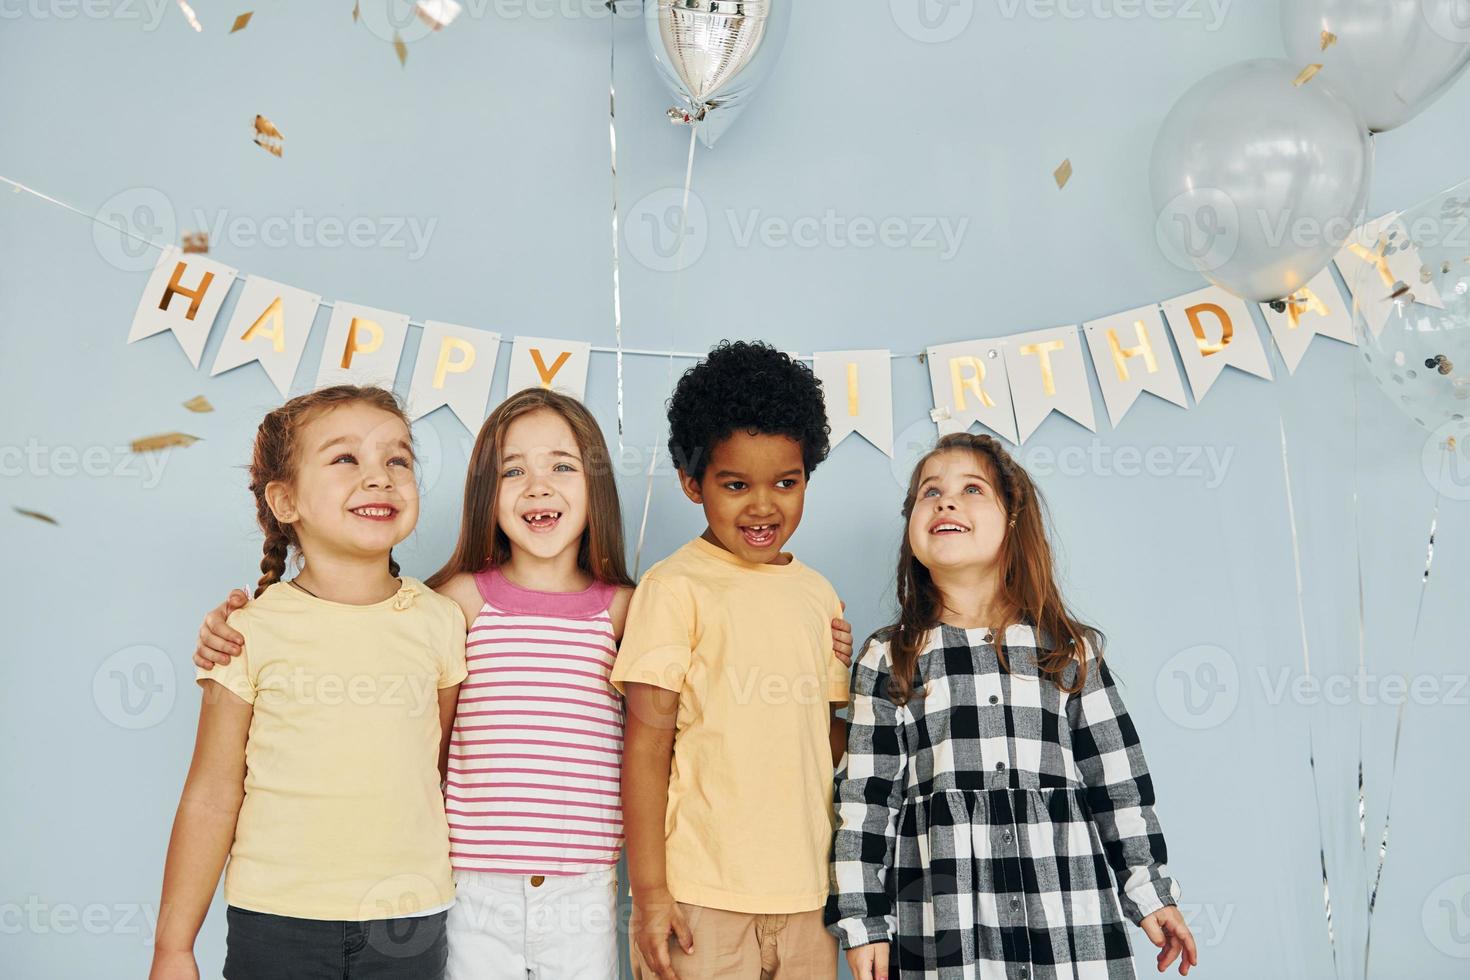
742	946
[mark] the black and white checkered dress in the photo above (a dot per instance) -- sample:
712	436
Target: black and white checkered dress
976	824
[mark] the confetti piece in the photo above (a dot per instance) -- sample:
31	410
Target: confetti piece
1328	40
268	137
189	15
198	404
1307	74
242	21
167	440
37	515
437	13
400	49
196	243
1401	292
356	11
1063	173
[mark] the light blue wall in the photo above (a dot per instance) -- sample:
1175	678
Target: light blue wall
496	133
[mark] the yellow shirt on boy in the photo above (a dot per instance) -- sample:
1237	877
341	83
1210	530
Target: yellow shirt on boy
748	649
343	817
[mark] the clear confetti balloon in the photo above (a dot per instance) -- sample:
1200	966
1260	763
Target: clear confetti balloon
1418	353
714	54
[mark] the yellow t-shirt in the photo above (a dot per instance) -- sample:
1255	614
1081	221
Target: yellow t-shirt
343	817
748	648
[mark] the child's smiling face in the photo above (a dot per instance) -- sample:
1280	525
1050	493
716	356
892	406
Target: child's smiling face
752	493
541	503
958	520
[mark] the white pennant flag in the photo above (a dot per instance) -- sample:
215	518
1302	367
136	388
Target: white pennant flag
858	387
970	385
455	367
1377	258
363	346
1046	375
1316	308
1132	354
184	295
542	362
270	325
1212	329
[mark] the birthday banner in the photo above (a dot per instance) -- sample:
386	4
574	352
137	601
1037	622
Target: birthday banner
1009	384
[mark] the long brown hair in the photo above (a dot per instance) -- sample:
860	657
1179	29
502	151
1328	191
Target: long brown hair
481	541
1028	591
275	457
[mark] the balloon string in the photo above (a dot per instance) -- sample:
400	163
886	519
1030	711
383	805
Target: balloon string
612	136
1296	557
1398	731
648	489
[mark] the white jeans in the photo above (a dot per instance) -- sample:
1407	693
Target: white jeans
504	927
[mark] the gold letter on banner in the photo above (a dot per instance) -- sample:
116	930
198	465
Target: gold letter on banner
195	295
277	331
1227	329
975	382
445	366
541	369
1304	301
1145	349
1376	259
353	347
852	388
1044	350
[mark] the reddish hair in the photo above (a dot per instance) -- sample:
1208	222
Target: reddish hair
1028	591
276	456
483	544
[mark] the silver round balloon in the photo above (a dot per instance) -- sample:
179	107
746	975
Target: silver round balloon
1389	58
1417	352
1257	181
714	54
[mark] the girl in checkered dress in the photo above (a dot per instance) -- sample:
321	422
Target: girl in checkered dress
992	774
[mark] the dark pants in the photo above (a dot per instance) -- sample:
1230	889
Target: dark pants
260	946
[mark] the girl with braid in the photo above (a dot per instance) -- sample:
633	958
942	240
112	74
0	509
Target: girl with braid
320	749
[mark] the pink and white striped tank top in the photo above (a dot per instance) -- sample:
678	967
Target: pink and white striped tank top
534	762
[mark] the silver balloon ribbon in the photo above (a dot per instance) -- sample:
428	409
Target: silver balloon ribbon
1301	614
1398	731
652	465
612	137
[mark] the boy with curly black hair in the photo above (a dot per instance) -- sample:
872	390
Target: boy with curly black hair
732	691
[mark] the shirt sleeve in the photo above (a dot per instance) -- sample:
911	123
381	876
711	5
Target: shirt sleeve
454	670
838	686
235	676
1120	793
868	793
658	639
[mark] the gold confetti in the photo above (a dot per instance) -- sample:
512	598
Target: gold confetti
1400	292
1307	74
189	15
1063	173
356	10
437	13
400	49
268	137
198	404
196	243
242	21
1328	40
37	515
167	440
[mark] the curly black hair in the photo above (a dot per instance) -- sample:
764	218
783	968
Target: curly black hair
749	387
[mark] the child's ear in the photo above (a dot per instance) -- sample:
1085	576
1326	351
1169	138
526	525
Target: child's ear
691	487
281	502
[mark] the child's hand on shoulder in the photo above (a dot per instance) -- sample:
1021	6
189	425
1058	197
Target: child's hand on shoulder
217	642
1167	930
842	639
868	962
173	965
